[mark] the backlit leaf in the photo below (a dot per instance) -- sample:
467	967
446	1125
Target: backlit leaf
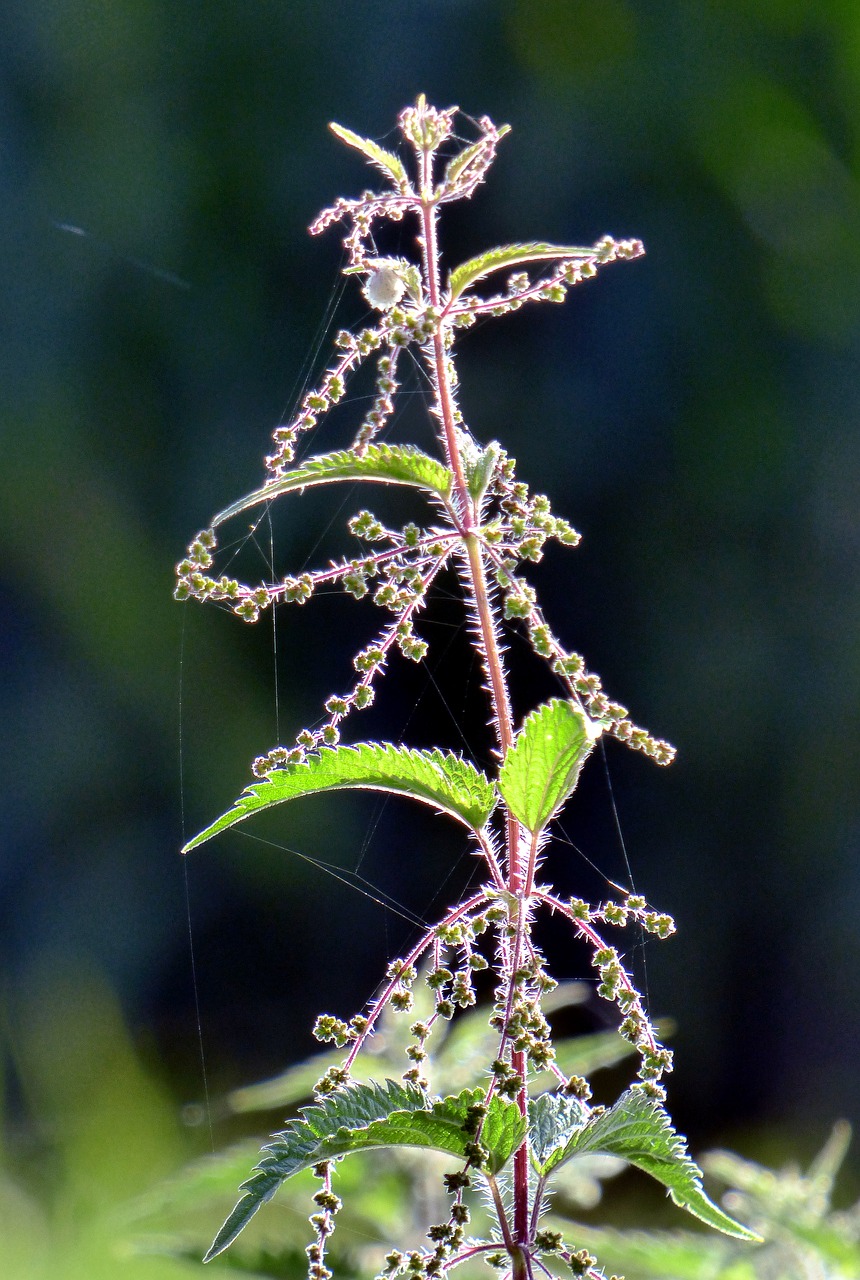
638	1130
390	164
542	767
512	255
437	778
389	464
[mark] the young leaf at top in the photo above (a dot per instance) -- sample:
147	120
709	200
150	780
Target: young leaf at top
437	778
511	255
389	464
390	164
457	168
368	1116
542	767
638	1130
479	473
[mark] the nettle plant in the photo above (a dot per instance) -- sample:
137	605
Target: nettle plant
504	1144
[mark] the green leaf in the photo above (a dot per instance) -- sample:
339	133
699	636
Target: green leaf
390	464
361	1118
389	164
638	1130
511	255
553	1117
480	472
437	778
441	1128
502	1132
455	167
542	767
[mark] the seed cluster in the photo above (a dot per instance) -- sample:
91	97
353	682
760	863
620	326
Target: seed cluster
515	525
400	576
322	1221
520	526
615	982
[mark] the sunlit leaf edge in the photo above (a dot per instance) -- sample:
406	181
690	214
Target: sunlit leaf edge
511	255
389	163
388	464
541	769
443	780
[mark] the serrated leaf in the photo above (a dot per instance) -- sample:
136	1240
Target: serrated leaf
437	778
441	1128
364	1117
553	1118
542	767
311	1138
388	464
511	255
502	1132
461	161
638	1130
389	163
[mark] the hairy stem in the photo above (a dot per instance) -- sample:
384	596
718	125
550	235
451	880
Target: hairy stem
491	653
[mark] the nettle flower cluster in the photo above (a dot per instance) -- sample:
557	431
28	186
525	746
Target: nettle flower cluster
484	522
511	524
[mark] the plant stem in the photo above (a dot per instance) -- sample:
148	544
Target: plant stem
491	653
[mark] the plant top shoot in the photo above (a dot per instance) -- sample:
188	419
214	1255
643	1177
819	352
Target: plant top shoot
509	1135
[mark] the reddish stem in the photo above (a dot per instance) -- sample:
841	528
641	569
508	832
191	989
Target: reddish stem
491	653
415	954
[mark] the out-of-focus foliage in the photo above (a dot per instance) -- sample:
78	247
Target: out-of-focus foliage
105	1129
696	418
391	1197
805	1237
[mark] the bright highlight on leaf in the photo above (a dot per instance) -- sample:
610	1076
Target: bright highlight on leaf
368	1116
542	767
638	1130
389	464
437	778
391	165
512	255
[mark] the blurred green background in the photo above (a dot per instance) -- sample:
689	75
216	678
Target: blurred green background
694	414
